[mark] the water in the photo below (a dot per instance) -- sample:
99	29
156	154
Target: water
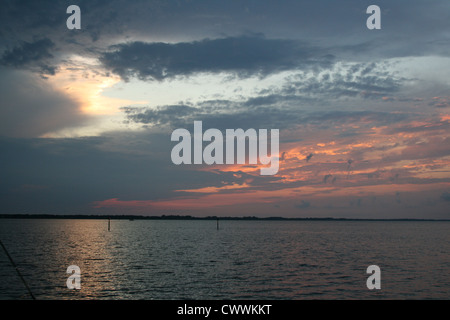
167	259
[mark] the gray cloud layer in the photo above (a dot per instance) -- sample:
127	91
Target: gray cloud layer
30	107
244	56
36	54
69	175
227	114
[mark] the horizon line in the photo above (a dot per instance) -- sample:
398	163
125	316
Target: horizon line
189	217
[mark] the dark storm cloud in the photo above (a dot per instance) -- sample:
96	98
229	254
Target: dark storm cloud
244	56
338	25
63	176
30	107
28	53
32	55
36	18
208	36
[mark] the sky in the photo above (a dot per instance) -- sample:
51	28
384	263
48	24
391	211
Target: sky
86	115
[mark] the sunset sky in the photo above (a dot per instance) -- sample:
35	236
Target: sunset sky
86	115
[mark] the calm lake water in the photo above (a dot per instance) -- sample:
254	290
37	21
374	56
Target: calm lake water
166	259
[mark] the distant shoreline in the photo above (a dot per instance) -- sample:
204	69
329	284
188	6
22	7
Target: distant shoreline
188	217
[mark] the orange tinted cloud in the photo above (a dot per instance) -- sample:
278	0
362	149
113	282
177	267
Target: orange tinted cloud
407	157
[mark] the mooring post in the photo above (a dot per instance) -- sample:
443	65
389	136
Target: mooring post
109	224
217	223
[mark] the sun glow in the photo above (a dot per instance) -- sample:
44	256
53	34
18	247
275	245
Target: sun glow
82	79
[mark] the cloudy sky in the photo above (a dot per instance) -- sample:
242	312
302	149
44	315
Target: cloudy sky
86	115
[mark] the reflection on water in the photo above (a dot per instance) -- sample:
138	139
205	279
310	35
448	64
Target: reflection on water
157	259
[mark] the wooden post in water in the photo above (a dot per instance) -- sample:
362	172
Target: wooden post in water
109	224
217	223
